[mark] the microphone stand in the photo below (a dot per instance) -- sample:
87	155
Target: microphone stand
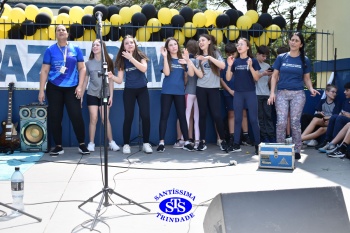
106	189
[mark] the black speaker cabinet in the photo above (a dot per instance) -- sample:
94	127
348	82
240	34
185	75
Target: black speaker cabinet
307	210
33	124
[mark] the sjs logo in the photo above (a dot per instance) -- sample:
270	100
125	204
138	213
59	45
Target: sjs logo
175	206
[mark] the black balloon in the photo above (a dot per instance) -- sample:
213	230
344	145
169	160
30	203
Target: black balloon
155	36
178	21
187	13
15	32
240	13
233	14
199	32
195	11
128	29
280	21
244	34
64	9
138	19
222	20
76	30
28	27
256	30
42	20
114	34
103	9
88	21
149	11
265	20
166	31
112	10
21	5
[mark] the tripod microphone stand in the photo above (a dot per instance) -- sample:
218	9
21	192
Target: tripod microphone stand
20	211
106	190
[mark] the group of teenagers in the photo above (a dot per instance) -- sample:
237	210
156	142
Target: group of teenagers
192	81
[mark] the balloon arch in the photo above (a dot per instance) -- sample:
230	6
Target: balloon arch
146	23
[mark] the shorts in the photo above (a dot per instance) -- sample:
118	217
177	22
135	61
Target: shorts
228	103
94	100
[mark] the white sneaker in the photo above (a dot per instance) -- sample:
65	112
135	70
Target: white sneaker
126	149
196	143
312	142
179	144
147	148
289	140
113	146
91	146
306	142
218	142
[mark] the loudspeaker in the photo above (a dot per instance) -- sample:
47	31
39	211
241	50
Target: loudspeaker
33	124
308	210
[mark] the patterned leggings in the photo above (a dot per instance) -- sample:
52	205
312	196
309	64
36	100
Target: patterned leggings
294	102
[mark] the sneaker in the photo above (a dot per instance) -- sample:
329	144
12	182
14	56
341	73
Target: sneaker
256	150
161	148
297	155
196	143
126	149
179	144
113	146
218	142
332	149
83	150
58	150
223	145
338	151
328	146
306	142
288	140
246	140
147	148
91	146
201	146
188	147
236	148
312	143
321	145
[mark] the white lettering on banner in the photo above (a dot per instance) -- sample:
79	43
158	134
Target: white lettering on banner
21	60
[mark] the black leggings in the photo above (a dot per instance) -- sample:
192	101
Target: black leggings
58	97
166	101
209	97
130	96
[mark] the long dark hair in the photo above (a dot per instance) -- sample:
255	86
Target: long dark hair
212	51
109	61
137	54
301	50
179	54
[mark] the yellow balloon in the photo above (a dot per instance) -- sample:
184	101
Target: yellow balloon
88	10
5	24
142	34
261	40
31	11
273	31
174	12
52	32
253	15
89	35
217	33
75	14
29	37
17	15
46	10
244	22
211	17
153	25
164	15
106	27
3	35
116	20
7	10
232	32
189	29
41	34
135	9
179	36
126	14
199	20
63	18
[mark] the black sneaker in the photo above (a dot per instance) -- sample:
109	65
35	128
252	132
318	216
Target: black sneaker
202	146
188	147
297	155
256	150
323	144
339	152
83	150
236	148
58	150
246	140
161	148
223	145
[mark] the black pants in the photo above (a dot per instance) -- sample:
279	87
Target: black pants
267	129
166	101
209	97
58	97
130	96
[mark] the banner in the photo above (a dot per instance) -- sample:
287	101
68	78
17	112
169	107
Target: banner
21	60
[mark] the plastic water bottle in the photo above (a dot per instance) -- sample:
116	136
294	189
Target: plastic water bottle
17	188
